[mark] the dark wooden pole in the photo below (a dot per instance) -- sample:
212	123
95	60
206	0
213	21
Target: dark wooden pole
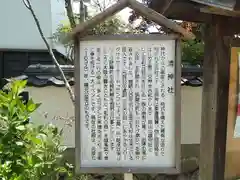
215	99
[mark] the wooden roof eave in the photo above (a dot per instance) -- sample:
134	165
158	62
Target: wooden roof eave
190	10
220	11
185	10
227	5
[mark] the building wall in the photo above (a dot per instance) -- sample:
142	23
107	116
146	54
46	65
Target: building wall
14	63
191	114
18	27
19	30
55	102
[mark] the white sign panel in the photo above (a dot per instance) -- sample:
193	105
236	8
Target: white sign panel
127	103
237	125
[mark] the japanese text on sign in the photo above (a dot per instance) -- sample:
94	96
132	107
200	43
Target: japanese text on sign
128	103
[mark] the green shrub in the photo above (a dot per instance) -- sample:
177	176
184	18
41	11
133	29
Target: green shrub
27	152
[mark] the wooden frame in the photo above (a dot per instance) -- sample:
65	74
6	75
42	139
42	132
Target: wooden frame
174	170
232	165
80	29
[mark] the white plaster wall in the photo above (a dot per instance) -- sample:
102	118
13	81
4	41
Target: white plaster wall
56	102
191	114
18	29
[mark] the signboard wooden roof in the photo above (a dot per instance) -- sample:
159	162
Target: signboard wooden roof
143	10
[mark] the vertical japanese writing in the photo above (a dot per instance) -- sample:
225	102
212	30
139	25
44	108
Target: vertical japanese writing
125	126
86	88
150	100
111	96
170	96
137	103
129	96
170	76
99	103
156	101
106	102
143	103
117	113
130	102
162	103
92	103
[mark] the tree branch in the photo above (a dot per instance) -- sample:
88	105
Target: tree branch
101	5
68	7
97	5
28	5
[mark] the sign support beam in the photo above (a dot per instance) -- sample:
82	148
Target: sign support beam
128	176
215	100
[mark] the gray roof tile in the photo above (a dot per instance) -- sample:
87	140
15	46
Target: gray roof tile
40	75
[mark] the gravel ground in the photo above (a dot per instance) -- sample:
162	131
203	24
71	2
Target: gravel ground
189	176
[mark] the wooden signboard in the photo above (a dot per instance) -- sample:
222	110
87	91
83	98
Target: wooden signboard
129	115
232	166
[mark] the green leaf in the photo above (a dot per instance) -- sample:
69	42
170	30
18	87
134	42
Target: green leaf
36	140
31	106
23	83
19	143
18	86
38	165
27	152
69	165
21	128
3	97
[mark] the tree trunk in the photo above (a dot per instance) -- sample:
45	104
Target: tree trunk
68	7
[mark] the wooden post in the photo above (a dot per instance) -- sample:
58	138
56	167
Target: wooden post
215	100
128	176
